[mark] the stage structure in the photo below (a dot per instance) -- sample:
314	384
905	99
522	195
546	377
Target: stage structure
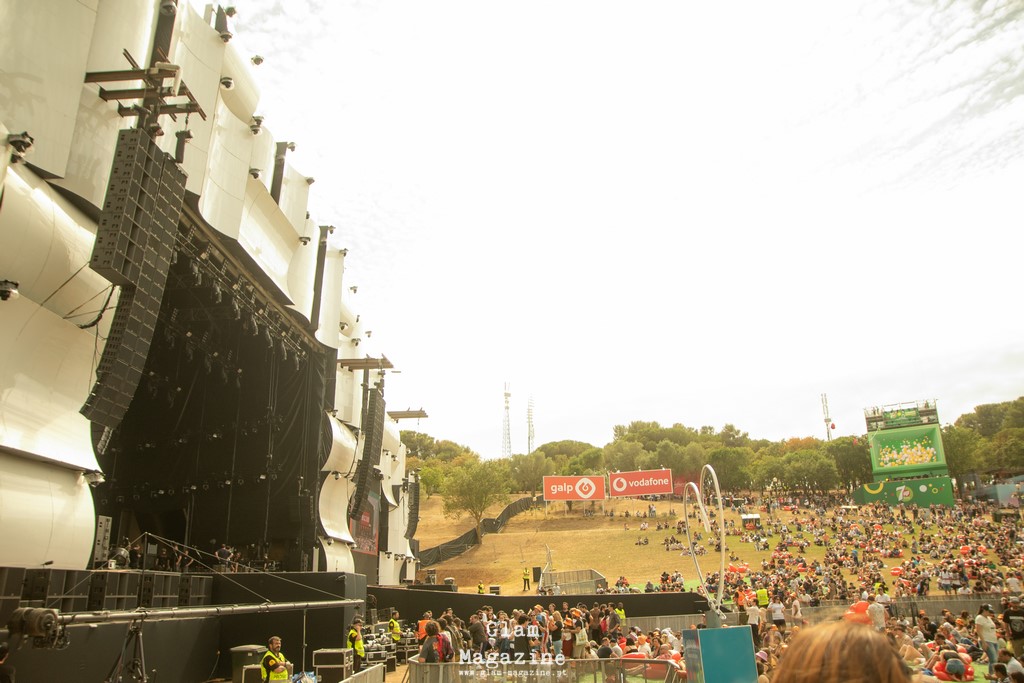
183	355
908	464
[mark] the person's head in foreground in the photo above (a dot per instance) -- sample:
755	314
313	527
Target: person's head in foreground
841	652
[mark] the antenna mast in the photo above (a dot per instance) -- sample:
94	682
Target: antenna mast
828	420
529	426
506	436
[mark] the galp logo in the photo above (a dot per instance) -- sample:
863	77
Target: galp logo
586	488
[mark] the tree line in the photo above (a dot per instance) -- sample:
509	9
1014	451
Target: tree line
988	440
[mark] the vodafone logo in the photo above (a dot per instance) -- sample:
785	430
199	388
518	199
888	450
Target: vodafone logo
640	483
586	488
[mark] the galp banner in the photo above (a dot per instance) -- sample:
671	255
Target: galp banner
642	483
574	488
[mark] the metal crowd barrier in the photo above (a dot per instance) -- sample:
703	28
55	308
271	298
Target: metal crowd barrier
550	670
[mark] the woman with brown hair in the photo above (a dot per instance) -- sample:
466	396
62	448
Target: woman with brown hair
841	652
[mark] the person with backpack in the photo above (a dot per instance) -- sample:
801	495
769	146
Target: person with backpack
436	647
355	641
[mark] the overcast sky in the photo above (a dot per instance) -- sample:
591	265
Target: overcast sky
673	211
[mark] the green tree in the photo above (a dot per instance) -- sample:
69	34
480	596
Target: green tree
731	467
431	479
1014	416
472	489
732	437
622	455
587	462
766	469
852	458
986	419
1007	454
528	471
961	448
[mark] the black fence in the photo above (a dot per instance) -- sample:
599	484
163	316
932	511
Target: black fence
491	525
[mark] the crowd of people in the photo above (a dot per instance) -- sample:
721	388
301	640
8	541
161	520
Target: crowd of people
958	551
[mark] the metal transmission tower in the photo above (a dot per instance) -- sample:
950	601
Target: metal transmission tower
529	425
506	435
828	420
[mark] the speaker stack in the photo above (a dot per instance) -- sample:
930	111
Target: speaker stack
134	244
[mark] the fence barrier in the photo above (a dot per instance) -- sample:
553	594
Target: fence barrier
491	525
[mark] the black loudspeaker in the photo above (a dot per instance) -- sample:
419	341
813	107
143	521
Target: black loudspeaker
414	508
373	428
536	574
146	591
134	243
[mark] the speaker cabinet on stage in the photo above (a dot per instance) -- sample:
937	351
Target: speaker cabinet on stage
536	575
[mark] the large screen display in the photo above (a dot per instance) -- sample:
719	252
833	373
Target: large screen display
907	451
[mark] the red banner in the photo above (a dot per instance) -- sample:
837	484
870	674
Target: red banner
574	488
642	483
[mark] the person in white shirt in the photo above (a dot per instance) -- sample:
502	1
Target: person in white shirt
985	628
796	611
876	612
778	612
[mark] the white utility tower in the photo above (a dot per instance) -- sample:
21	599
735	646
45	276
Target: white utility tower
529	426
506	435
828	420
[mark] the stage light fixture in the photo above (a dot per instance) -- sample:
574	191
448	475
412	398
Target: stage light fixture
257	60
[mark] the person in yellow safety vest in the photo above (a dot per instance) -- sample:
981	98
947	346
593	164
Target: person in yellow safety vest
480	588
526	578
276	666
394	628
762	596
355	641
621	611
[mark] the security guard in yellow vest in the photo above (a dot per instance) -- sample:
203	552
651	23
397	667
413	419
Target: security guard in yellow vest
394	628
526	578
276	666
355	641
480	588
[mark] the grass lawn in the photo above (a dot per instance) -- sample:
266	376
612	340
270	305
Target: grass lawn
578	542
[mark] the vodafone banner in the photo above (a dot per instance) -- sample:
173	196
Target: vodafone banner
642	483
574	488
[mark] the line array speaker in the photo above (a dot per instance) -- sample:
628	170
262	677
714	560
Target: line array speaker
414	508
373	428
134	244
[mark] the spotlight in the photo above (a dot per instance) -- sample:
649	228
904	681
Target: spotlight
257	60
330	541
263	477
8	290
304	239
227	82
337	475
94	478
354	288
255	172
257	125
342	326
355	341
230	10
310	180
168	8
